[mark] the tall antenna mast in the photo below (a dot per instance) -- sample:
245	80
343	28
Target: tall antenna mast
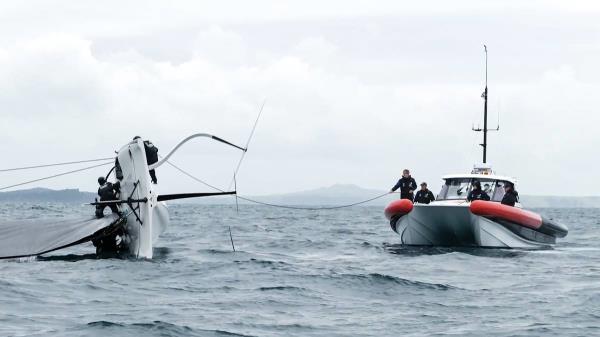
485	114
485	99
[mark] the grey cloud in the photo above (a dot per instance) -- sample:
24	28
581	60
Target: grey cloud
350	99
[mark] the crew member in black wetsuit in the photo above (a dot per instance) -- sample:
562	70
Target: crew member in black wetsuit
511	197
477	193
424	196
118	170
407	185
151	157
107	192
108	245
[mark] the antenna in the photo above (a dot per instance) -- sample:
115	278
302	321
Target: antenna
485	49
485	94
498	115
485	114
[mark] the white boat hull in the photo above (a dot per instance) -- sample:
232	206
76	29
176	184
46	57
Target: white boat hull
455	225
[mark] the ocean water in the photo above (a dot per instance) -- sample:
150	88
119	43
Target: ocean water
303	273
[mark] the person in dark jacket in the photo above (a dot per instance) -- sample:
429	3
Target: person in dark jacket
407	185
424	196
107	192
110	244
118	169
477	193
151	157
511	197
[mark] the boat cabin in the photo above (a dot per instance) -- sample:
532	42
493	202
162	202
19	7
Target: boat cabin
458	186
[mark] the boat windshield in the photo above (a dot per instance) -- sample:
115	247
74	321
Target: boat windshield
459	188
499	193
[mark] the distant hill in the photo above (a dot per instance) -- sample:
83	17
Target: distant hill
48	195
339	194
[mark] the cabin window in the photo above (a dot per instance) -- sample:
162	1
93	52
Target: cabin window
455	189
499	193
459	188
489	187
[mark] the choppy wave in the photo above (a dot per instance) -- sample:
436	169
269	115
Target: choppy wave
335	273
388	279
155	328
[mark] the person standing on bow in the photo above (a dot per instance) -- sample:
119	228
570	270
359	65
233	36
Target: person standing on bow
406	184
151	156
511	197
424	196
477	193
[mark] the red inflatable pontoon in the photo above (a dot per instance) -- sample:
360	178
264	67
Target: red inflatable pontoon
513	214
398	207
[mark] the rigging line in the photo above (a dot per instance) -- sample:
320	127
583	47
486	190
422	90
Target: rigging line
56	175
314	208
55	164
237	168
231	238
286	206
194	178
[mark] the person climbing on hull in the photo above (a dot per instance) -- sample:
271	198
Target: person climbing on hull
111	243
107	192
151	157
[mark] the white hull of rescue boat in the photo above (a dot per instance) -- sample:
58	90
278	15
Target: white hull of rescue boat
455	225
148	220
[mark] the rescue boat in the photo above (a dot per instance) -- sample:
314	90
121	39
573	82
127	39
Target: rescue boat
451	220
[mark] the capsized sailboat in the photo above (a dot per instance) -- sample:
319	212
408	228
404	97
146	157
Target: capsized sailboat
143	217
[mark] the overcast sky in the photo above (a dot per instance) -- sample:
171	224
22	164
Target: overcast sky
355	90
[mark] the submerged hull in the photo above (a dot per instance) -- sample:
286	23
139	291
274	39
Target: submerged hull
456	225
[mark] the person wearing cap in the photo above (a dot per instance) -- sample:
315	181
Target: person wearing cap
407	185
477	193
424	196
107	192
511	197
151	157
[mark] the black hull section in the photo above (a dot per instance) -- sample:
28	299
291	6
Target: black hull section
527	233
553	228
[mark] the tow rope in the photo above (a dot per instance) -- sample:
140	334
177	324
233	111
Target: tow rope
279	205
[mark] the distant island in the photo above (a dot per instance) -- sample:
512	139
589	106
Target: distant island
338	194
48	195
